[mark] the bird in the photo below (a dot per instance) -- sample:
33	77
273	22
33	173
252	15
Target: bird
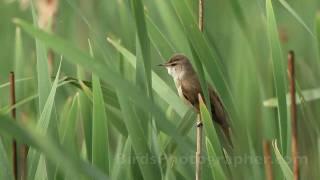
188	86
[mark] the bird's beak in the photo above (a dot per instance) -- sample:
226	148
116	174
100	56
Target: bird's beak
163	65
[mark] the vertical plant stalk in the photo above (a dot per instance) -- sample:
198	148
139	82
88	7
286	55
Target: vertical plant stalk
23	151
199	147
201	15
47	13
199	143
199	122
267	160
13	114
294	133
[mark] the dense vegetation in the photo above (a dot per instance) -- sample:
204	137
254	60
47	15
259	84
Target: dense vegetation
125	119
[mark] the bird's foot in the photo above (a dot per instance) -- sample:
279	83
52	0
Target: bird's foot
199	124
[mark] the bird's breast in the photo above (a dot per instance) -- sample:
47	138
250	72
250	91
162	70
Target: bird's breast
178	86
180	91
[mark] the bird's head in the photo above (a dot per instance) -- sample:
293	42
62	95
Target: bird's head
178	66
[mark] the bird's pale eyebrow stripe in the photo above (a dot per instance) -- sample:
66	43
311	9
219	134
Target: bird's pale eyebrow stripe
171	64
173	60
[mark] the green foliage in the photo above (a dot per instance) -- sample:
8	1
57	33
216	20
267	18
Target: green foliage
282	162
279	74
117	115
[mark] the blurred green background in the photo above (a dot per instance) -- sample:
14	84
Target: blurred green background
242	53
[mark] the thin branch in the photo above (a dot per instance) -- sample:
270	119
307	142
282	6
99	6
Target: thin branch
199	122
23	152
47	13
199	143
294	133
13	114
267	160
201	15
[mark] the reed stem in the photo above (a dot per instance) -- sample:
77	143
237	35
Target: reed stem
294	133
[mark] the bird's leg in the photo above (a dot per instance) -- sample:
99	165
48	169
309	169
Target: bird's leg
199	123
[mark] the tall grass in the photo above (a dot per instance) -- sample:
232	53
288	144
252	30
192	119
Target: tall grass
125	119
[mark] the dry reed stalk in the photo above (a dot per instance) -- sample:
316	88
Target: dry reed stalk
201	15
294	133
47	11
13	114
199	143
267	160
199	122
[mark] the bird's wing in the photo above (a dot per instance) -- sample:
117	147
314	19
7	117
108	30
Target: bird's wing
190	93
217	109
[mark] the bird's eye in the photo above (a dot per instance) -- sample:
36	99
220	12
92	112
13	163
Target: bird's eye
174	64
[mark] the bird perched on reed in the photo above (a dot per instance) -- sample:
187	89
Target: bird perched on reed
188	86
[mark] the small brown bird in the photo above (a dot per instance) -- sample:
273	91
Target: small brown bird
188	86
